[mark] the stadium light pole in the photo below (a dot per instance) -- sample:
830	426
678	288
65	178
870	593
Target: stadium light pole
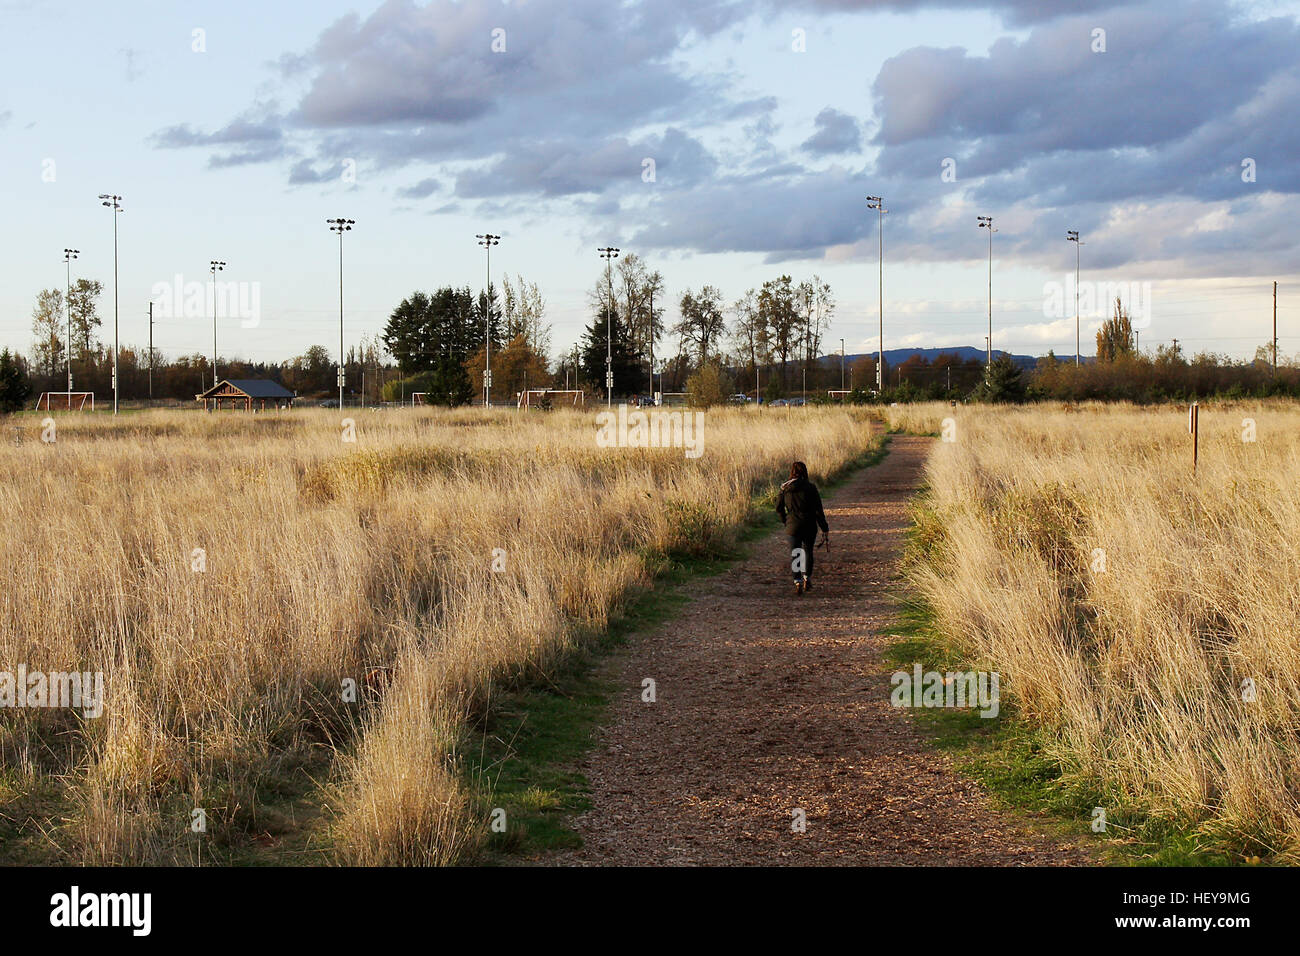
68	256
1072	235
487	240
214	266
114	203
878	204
341	226
986	222
609	253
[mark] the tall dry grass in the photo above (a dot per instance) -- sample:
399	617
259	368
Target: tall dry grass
328	561
1140	668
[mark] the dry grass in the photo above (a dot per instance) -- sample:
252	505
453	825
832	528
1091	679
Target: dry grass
327	561
1137	671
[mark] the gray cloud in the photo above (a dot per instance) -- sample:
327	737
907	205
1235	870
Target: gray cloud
421	190
836	132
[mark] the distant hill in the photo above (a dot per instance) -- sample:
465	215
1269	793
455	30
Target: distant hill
895	357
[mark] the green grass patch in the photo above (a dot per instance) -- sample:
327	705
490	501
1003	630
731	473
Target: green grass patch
1015	761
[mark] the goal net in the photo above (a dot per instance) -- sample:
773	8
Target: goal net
551	397
417	398
66	402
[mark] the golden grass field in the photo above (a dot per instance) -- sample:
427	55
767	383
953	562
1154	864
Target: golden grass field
324	561
1142	673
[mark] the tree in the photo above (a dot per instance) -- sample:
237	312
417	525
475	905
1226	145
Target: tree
514	367
1115	337
749	335
83	300
702	325
14	384
434	336
523	309
47	332
310	373
779	314
596	344
1002	382
816	305
710	385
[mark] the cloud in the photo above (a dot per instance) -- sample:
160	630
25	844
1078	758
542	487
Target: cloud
238	132
304	172
836	132
1041	128
421	190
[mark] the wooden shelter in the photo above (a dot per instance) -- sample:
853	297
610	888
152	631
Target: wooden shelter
250	393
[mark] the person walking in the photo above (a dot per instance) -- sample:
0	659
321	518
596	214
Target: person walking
799	506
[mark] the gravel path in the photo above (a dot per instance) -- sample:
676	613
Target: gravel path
767	702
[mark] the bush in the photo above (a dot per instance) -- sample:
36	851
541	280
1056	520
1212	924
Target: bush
710	386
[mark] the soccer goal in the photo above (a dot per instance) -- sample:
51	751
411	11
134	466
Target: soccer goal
417	398
838	394
65	402
551	397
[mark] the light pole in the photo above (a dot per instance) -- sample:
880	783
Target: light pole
341	226
114	203
986	222
609	253
487	240
652	343
214	266
1072	235
841	365
878	204
68	256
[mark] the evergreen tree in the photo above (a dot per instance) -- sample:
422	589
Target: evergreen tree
14	384
595	344
1002	382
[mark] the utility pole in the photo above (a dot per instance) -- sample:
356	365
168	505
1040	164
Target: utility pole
609	253
1274	327
878	204
1072	235
341	226
151	351
986	222
69	254
487	240
841	365
114	203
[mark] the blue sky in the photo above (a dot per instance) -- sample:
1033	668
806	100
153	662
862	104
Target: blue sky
764	154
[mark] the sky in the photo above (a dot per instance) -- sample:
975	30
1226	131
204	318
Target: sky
724	142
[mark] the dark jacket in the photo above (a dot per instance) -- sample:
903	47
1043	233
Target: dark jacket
800	508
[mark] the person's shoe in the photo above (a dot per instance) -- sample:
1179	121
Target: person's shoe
798	587
807	585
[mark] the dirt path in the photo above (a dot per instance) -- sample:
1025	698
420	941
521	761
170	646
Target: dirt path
755	717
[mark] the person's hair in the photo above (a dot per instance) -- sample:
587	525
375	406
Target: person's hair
799	470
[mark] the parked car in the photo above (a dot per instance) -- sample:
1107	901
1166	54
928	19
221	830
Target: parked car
330	403
739	398
778	403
